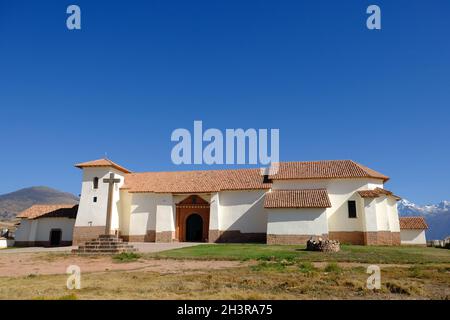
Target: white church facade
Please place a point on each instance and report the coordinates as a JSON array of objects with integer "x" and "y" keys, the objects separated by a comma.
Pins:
[{"x": 337, "y": 199}]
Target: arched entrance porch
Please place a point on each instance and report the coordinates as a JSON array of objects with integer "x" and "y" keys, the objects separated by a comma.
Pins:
[{"x": 192, "y": 219}]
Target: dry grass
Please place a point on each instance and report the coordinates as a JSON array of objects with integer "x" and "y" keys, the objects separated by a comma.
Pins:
[{"x": 266, "y": 280}]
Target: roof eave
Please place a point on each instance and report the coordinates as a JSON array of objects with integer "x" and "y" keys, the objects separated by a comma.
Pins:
[{"x": 115, "y": 166}]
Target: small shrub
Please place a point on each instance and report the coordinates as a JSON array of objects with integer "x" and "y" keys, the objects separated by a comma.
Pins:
[
  {"x": 306, "y": 267},
  {"x": 415, "y": 272},
  {"x": 126, "y": 257},
  {"x": 397, "y": 288},
  {"x": 333, "y": 267}
]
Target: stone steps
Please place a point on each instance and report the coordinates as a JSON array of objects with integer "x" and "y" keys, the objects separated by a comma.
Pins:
[{"x": 104, "y": 244}]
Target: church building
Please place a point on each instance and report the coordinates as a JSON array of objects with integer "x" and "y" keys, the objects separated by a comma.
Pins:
[{"x": 337, "y": 199}]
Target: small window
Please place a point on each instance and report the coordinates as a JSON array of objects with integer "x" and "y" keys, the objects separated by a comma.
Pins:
[
  {"x": 95, "y": 199},
  {"x": 352, "y": 209},
  {"x": 95, "y": 183}
]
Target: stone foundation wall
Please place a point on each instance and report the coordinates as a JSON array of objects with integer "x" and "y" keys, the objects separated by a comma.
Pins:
[
  {"x": 83, "y": 234},
  {"x": 348, "y": 237},
  {"x": 149, "y": 237},
  {"x": 382, "y": 238},
  {"x": 291, "y": 238},
  {"x": 164, "y": 236},
  {"x": 396, "y": 239},
  {"x": 235, "y": 236},
  {"x": 40, "y": 244}
]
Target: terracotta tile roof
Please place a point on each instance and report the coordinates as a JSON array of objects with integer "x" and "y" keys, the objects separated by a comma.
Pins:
[
  {"x": 101, "y": 163},
  {"x": 49, "y": 210},
  {"x": 413, "y": 223},
  {"x": 326, "y": 169},
  {"x": 195, "y": 181},
  {"x": 237, "y": 179},
  {"x": 375, "y": 193},
  {"x": 304, "y": 198}
]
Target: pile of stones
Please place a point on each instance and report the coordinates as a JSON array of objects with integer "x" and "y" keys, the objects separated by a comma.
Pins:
[{"x": 324, "y": 245}]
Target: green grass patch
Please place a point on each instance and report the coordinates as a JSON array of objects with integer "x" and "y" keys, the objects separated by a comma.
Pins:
[
  {"x": 126, "y": 257},
  {"x": 348, "y": 253},
  {"x": 306, "y": 267},
  {"x": 333, "y": 267}
]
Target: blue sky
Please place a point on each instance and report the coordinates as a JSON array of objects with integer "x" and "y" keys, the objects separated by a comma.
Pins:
[{"x": 140, "y": 69}]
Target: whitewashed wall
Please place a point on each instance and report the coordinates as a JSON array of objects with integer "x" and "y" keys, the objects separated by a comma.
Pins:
[
  {"x": 297, "y": 221},
  {"x": 23, "y": 231},
  {"x": 394, "y": 221},
  {"x": 339, "y": 191},
  {"x": 39, "y": 229},
  {"x": 382, "y": 214},
  {"x": 413, "y": 237},
  {"x": 92, "y": 213},
  {"x": 165, "y": 212},
  {"x": 142, "y": 216},
  {"x": 370, "y": 215},
  {"x": 45, "y": 225},
  {"x": 242, "y": 210},
  {"x": 6, "y": 243},
  {"x": 214, "y": 213},
  {"x": 125, "y": 212}
]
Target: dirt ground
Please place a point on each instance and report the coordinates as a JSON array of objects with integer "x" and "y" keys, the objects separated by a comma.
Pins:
[
  {"x": 25, "y": 264},
  {"x": 44, "y": 277}
]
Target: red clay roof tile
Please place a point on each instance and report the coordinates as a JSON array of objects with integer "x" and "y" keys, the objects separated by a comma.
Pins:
[
  {"x": 102, "y": 163},
  {"x": 326, "y": 169},
  {"x": 413, "y": 223},
  {"x": 303, "y": 198},
  {"x": 50, "y": 210}
]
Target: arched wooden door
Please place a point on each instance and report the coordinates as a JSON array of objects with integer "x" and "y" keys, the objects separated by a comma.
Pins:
[
  {"x": 194, "y": 228},
  {"x": 192, "y": 213}
]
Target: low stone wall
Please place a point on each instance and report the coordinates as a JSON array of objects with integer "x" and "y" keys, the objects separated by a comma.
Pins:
[{"x": 323, "y": 245}]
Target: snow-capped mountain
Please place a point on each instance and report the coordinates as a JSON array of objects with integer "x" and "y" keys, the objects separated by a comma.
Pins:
[{"x": 437, "y": 216}]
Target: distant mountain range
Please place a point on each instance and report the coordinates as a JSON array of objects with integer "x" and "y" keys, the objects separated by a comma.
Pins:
[
  {"x": 15, "y": 202},
  {"x": 437, "y": 217}
]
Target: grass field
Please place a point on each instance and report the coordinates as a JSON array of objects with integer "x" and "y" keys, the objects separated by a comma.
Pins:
[
  {"x": 348, "y": 253},
  {"x": 265, "y": 280},
  {"x": 255, "y": 272}
]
